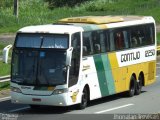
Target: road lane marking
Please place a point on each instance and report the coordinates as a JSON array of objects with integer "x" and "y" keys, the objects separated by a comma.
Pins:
[
  {"x": 5, "y": 98},
  {"x": 158, "y": 67},
  {"x": 157, "y": 76},
  {"x": 19, "y": 109},
  {"x": 115, "y": 108}
]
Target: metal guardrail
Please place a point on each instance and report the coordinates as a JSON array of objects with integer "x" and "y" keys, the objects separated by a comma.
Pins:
[{"x": 5, "y": 78}]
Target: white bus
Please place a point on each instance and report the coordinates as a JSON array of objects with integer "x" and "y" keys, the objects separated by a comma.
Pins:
[{"x": 82, "y": 59}]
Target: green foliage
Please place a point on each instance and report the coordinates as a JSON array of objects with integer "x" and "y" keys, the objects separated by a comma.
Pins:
[
  {"x": 124, "y": 7},
  {"x": 32, "y": 12},
  {"x": 4, "y": 85},
  {"x": 62, "y": 3},
  {"x": 6, "y": 3},
  {"x": 5, "y": 68},
  {"x": 1, "y": 49}
]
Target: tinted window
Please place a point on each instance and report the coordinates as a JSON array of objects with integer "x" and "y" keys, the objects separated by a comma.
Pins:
[
  {"x": 121, "y": 39},
  {"x": 75, "y": 63},
  {"x": 42, "y": 41},
  {"x": 87, "y": 44},
  {"x": 141, "y": 35},
  {"x": 95, "y": 42}
]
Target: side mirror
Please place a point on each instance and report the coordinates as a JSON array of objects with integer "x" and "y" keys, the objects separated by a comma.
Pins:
[
  {"x": 69, "y": 56},
  {"x": 5, "y": 53}
]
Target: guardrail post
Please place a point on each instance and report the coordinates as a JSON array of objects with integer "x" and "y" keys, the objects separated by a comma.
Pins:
[{"x": 5, "y": 53}]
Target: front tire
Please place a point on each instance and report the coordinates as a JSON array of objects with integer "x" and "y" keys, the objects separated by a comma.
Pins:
[{"x": 84, "y": 99}]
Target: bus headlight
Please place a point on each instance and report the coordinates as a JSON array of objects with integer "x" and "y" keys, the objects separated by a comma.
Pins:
[
  {"x": 60, "y": 91},
  {"x": 15, "y": 89}
]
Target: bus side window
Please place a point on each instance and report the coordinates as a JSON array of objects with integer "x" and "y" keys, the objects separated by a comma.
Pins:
[
  {"x": 102, "y": 42},
  {"x": 137, "y": 36},
  {"x": 149, "y": 30},
  {"x": 107, "y": 42},
  {"x": 112, "y": 42},
  {"x": 140, "y": 36},
  {"x": 96, "y": 42},
  {"x": 134, "y": 41},
  {"x": 126, "y": 39},
  {"x": 119, "y": 40},
  {"x": 87, "y": 44},
  {"x": 75, "y": 62}
]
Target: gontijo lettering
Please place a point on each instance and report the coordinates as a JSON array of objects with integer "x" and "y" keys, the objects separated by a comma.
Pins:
[{"x": 130, "y": 56}]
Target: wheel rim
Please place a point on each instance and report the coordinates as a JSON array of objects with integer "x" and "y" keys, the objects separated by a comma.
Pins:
[
  {"x": 132, "y": 89},
  {"x": 139, "y": 85}
]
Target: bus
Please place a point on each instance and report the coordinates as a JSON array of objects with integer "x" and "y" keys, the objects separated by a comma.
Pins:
[{"x": 80, "y": 59}]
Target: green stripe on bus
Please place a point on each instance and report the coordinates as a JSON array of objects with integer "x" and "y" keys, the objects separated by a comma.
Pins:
[
  {"x": 108, "y": 74},
  {"x": 101, "y": 75}
]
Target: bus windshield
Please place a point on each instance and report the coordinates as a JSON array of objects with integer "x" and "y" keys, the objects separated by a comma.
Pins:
[
  {"x": 31, "y": 67},
  {"x": 39, "y": 60}
]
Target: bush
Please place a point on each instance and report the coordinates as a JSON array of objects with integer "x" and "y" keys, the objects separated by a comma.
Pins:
[
  {"x": 62, "y": 3},
  {"x": 6, "y": 3}
]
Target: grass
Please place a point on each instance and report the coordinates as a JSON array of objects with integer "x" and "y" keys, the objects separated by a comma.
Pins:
[
  {"x": 4, "y": 85},
  {"x": 5, "y": 68},
  {"x": 33, "y": 12},
  {"x": 1, "y": 49}
]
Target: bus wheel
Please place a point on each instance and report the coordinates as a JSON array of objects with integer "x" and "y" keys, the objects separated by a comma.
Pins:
[
  {"x": 132, "y": 87},
  {"x": 84, "y": 99},
  {"x": 138, "y": 86}
]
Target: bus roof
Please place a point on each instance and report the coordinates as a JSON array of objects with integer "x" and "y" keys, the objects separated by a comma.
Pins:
[
  {"x": 92, "y": 19},
  {"x": 102, "y": 19},
  {"x": 88, "y": 23},
  {"x": 51, "y": 28}
]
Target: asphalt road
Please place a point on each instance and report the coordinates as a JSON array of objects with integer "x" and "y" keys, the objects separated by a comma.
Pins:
[{"x": 112, "y": 107}]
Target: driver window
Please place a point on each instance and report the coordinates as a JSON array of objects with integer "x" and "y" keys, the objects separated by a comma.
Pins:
[{"x": 75, "y": 62}]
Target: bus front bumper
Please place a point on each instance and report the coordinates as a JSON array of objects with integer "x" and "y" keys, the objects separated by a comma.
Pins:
[{"x": 52, "y": 100}]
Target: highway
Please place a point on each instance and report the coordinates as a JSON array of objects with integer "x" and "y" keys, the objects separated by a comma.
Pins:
[{"x": 148, "y": 102}]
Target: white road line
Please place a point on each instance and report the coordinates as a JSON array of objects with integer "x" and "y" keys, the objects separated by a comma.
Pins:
[
  {"x": 19, "y": 109},
  {"x": 5, "y": 98},
  {"x": 115, "y": 108},
  {"x": 157, "y": 76},
  {"x": 158, "y": 67},
  {"x": 158, "y": 63}
]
